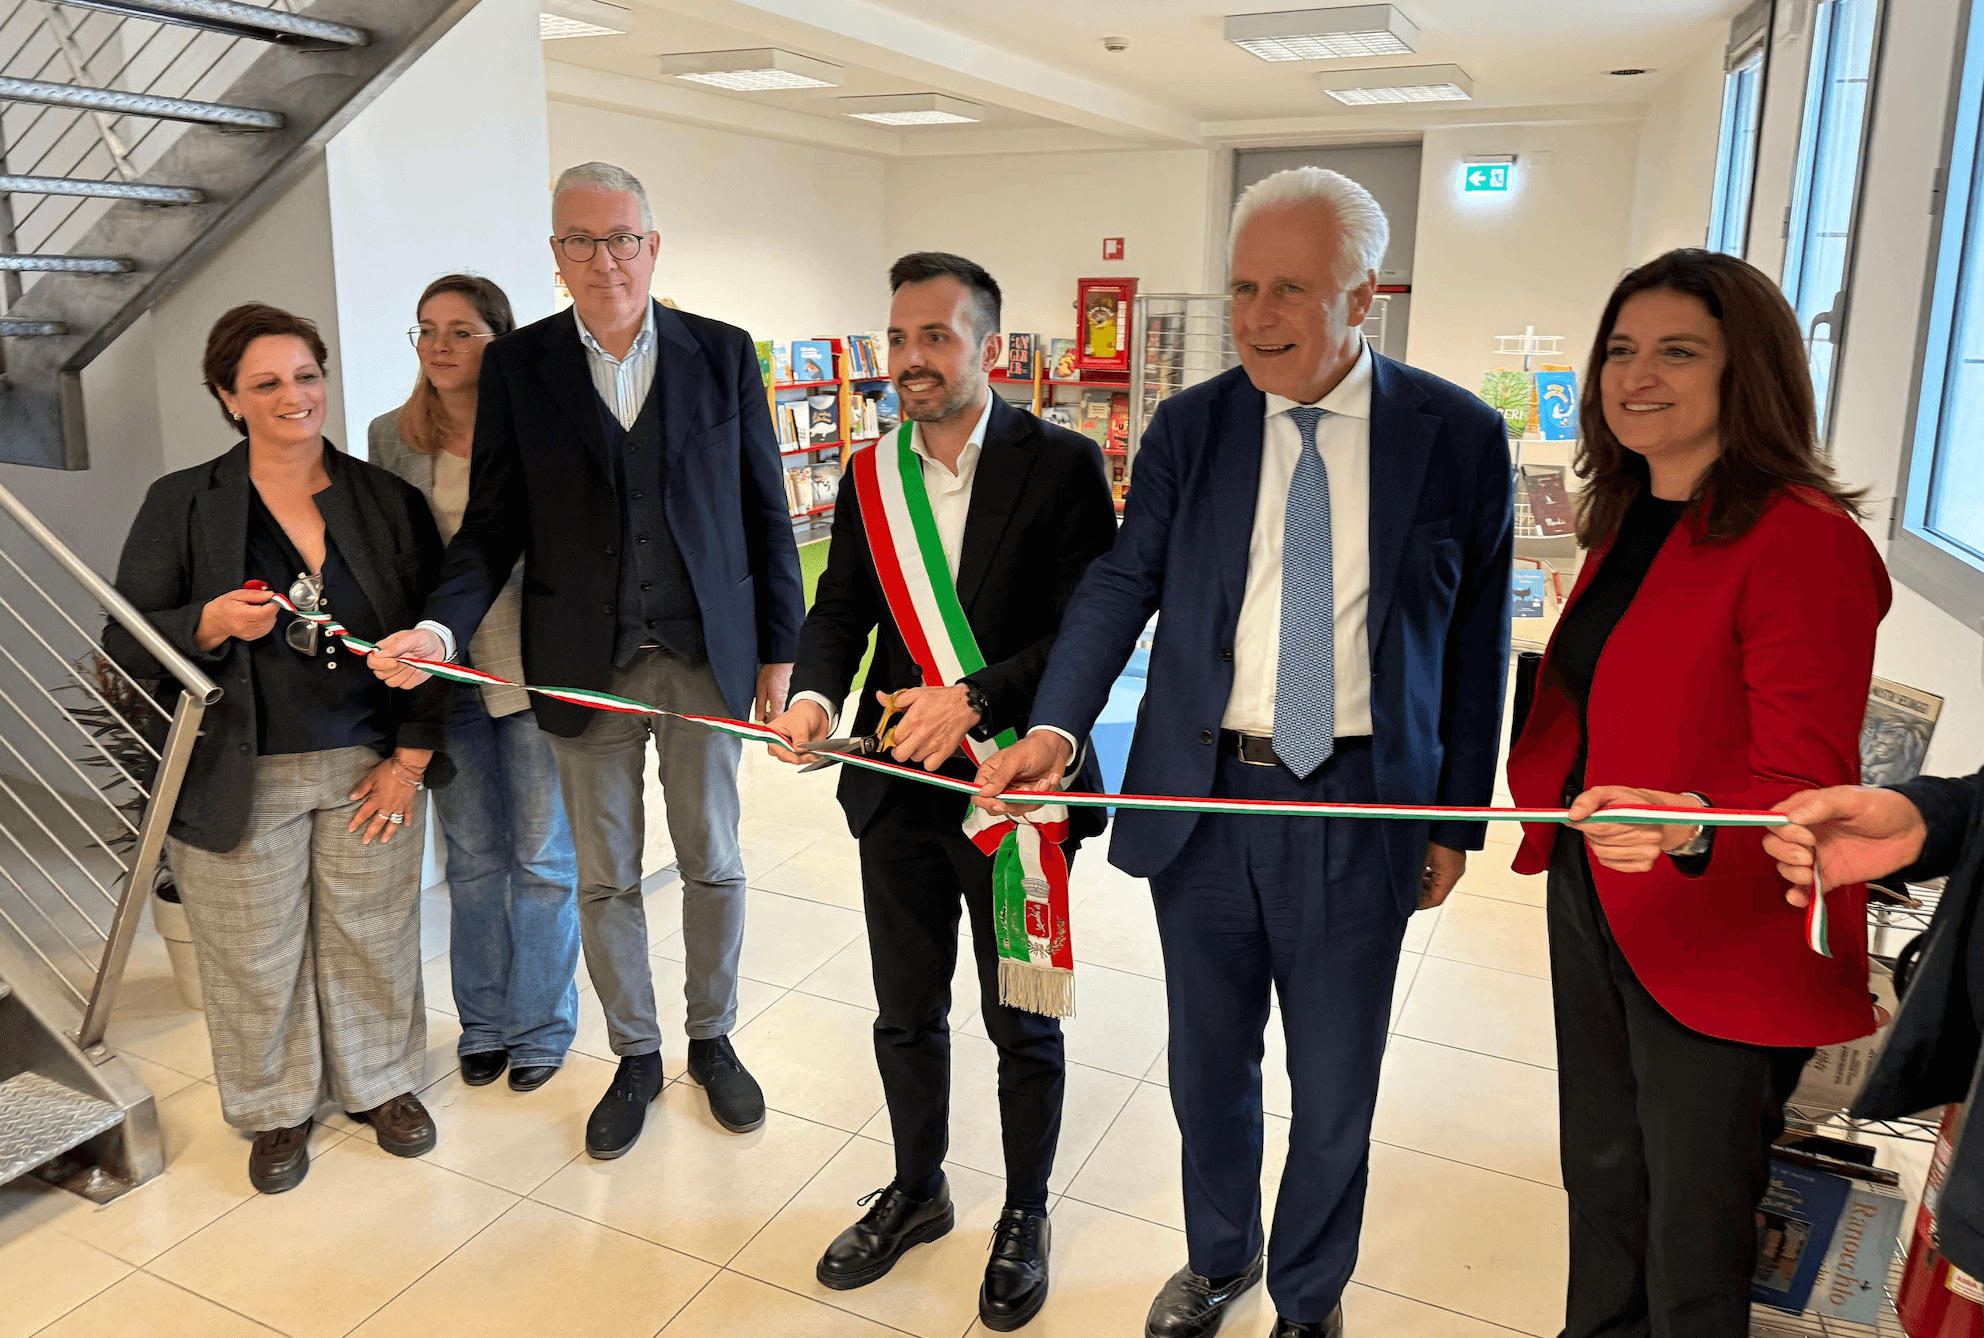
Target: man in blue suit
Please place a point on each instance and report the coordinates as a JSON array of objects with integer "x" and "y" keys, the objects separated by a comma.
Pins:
[
  {"x": 1327, "y": 534},
  {"x": 625, "y": 451}
]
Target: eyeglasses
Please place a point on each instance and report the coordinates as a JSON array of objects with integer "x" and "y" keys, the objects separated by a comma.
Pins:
[
  {"x": 579, "y": 248},
  {"x": 307, "y": 593},
  {"x": 458, "y": 337}
]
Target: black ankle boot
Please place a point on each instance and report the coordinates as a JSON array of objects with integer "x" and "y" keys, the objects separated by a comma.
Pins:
[{"x": 617, "y": 1119}]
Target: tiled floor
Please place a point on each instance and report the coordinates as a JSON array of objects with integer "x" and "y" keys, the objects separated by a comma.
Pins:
[{"x": 507, "y": 1228}]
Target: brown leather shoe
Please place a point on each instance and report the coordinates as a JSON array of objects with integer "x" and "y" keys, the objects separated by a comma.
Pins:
[
  {"x": 405, "y": 1128},
  {"x": 280, "y": 1158}
]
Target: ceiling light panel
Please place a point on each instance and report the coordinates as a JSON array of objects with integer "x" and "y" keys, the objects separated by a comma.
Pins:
[
  {"x": 580, "y": 18},
  {"x": 912, "y": 109},
  {"x": 1324, "y": 34},
  {"x": 1401, "y": 83},
  {"x": 755, "y": 71}
]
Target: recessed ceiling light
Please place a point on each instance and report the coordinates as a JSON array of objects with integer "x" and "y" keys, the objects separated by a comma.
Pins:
[
  {"x": 580, "y": 18},
  {"x": 1401, "y": 83},
  {"x": 912, "y": 109},
  {"x": 1324, "y": 34},
  {"x": 753, "y": 71}
]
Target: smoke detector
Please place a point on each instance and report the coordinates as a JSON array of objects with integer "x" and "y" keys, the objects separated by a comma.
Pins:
[{"x": 1115, "y": 44}]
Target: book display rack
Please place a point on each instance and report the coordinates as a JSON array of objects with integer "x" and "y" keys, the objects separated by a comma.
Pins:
[{"x": 825, "y": 395}]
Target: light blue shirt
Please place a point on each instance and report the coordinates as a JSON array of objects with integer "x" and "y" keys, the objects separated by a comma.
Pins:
[{"x": 622, "y": 383}]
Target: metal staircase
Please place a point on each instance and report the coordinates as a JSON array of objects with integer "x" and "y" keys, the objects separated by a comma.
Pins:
[{"x": 136, "y": 137}]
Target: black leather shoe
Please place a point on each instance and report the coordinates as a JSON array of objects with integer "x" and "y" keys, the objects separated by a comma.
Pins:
[
  {"x": 280, "y": 1158},
  {"x": 484, "y": 1067},
  {"x": 1016, "y": 1276},
  {"x": 531, "y": 1077},
  {"x": 1191, "y": 1307},
  {"x": 1332, "y": 1327},
  {"x": 736, "y": 1101},
  {"x": 869, "y": 1249},
  {"x": 617, "y": 1119}
]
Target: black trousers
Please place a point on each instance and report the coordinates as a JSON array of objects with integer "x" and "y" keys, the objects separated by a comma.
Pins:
[
  {"x": 917, "y": 872},
  {"x": 1665, "y": 1137}
]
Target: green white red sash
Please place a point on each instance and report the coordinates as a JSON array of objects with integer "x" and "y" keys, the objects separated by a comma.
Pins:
[
  {"x": 1029, "y": 872},
  {"x": 1816, "y": 919}
]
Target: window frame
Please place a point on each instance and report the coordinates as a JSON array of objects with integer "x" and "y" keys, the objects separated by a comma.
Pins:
[
  {"x": 1938, "y": 570},
  {"x": 1803, "y": 188},
  {"x": 1721, "y": 214}
]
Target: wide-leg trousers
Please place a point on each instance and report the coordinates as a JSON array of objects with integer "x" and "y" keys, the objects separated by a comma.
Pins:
[
  {"x": 1665, "y": 1137},
  {"x": 309, "y": 946},
  {"x": 1306, "y": 908}
]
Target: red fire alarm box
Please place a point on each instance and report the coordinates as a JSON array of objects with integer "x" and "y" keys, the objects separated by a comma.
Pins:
[
  {"x": 1112, "y": 248},
  {"x": 1102, "y": 325}
]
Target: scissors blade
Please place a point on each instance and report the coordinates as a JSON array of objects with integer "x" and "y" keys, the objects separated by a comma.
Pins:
[{"x": 829, "y": 751}]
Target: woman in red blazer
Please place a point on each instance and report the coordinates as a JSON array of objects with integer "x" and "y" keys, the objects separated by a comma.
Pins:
[{"x": 1715, "y": 651}]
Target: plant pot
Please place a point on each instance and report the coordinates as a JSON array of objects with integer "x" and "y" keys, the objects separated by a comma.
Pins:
[{"x": 169, "y": 918}]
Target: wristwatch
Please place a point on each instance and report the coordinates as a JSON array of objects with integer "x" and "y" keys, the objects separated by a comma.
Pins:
[
  {"x": 1700, "y": 842},
  {"x": 975, "y": 698}
]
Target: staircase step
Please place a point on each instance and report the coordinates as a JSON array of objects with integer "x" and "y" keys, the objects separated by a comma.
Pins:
[
  {"x": 32, "y": 264},
  {"x": 235, "y": 19},
  {"x": 13, "y": 329},
  {"x": 101, "y": 190},
  {"x": 41, "y": 1119},
  {"x": 119, "y": 103}
]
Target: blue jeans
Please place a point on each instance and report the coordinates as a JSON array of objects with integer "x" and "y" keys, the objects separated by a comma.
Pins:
[{"x": 512, "y": 879}]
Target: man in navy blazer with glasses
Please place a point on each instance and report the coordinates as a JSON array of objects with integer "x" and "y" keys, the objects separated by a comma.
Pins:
[{"x": 1327, "y": 534}]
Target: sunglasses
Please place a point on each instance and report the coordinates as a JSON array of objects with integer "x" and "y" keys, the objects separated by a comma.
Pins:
[{"x": 307, "y": 593}]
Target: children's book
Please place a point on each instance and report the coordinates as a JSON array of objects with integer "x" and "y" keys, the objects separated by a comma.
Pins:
[
  {"x": 1795, "y": 1225},
  {"x": 812, "y": 360},
  {"x": 1019, "y": 356},
  {"x": 764, "y": 347},
  {"x": 1062, "y": 367},
  {"x": 1557, "y": 405},
  {"x": 781, "y": 364},
  {"x": 823, "y": 417}
]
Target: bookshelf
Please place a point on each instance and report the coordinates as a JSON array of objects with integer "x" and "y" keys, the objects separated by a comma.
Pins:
[{"x": 858, "y": 371}]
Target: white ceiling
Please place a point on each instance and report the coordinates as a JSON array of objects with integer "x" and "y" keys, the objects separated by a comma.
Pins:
[{"x": 1040, "y": 69}]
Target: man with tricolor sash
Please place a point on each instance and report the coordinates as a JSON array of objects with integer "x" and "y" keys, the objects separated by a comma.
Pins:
[
  {"x": 1325, "y": 535},
  {"x": 957, "y": 540}
]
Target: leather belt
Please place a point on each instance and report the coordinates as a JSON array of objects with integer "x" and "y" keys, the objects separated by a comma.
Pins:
[{"x": 1257, "y": 750}]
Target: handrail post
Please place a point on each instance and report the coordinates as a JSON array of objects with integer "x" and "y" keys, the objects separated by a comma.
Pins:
[{"x": 178, "y": 750}]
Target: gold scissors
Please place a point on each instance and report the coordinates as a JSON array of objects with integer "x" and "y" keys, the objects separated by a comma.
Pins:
[{"x": 867, "y": 745}]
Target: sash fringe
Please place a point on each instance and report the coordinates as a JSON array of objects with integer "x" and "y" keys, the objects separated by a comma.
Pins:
[{"x": 1037, "y": 988}]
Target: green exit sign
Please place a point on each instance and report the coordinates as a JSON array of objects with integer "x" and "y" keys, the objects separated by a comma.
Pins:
[{"x": 1488, "y": 176}]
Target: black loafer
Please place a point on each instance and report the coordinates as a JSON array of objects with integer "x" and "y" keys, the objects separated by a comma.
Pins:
[
  {"x": 280, "y": 1158},
  {"x": 736, "y": 1100},
  {"x": 617, "y": 1119},
  {"x": 1016, "y": 1276},
  {"x": 484, "y": 1067},
  {"x": 1192, "y": 1307},
  {"x": 530, "y": 1077},
  {"x": 869, "y": 1249},
  {"x": 1329, "y": 1327}
]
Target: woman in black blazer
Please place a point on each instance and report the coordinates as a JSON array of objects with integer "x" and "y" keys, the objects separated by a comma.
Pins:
[{"x": 296, "y": 842}]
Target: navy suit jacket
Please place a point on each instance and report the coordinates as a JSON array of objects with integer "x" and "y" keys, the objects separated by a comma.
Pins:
[
  {"x": 541, "y": 486},
  {"x": 1442, "y": 532}
]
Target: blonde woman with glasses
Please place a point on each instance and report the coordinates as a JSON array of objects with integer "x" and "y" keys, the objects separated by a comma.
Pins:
[{"x": 514, "y": 946}]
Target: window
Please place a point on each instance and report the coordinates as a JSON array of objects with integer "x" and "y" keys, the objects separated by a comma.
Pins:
[
  {"x": 1939, "y": 549},
  {"x": 1736, "y": 156},
  {"x": 1826, "y": 188}
]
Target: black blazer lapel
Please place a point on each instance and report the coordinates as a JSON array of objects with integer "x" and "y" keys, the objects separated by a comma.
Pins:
[
  {"x": 1236, "y": 475},
  {"x": 996, "y": 488},
  {"x": 679, "y": 369},
  {"x": 1401, "y": 445},
  {"x": 567, "y": 376},
  {"x": 220, "y": 518},
  {"x": 363, "y": 536}
]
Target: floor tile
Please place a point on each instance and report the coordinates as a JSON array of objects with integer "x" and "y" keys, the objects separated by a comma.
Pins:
[
  {"x": 156, "y": 1025},
  {"x": 1136, "y": 1169},
  {"x": 162, "y": 1081},
  {"x": 375, "y": 1223},
  {"x": 436, "y": 920},
  {"x": 1419, "y": 929},
  {"x": 1482, "y": 1244},
  {"x": 44, "y": 1274},
  {"x": 786, "y": 939},
  {"x": 1489, "y": 875},
  {"x": 768, "y": 843},
  {"x": 1481, "y": 1009},
  {"x": 1114, "y": 925},
  {"x": 1493, "y": 1113},
  {"x": 144, "y": 1305},
  {"x": 206, "y": 1175},
  {"x": 517, "y": 1278},
  {"x": 1486, "y": 932},
  {"x": 849, "y": 976},
  {"x": 829, "y": 870},
  {"x": 733, "y": 1305},
  {"x": 437, "y": 980},
  {"x": 1119, "y": 1022},
  {"x": 932, "y": 1292},
  {"x": 691, "y": 1186},
  {"x": 1370, "y": 1313},
  {"x": 1408, "y": 971},
  {"x": 515, "y": 1140},
  {"x": 815, "y": 1058},
  {"x": 753, "y": 997}
]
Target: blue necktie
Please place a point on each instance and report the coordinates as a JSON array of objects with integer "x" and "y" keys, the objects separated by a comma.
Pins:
[{"x": 1305, "y": 675}]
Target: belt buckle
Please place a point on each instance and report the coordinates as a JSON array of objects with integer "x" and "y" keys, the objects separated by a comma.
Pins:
[{"x": 1240, "y": 751}]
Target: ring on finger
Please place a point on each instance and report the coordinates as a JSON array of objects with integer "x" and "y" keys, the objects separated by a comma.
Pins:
[{"x": 396, "y": 818}]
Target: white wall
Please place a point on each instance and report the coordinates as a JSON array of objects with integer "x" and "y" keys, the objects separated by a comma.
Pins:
[
  {"x": 446, "y": 172},
  {"x": 1547, "y": 253},
  {"x": 781, "y": 239},
  {"x": 1676, "y": 169},
  {"x": 1037, "y": 221}
]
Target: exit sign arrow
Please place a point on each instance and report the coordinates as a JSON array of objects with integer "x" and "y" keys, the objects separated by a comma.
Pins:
[{"x": 1488, "y": 177}]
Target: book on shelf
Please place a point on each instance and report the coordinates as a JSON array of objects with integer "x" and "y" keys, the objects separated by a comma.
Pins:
[
  {"x": 826, "y": 484},
  {"x": 798, "y": 484},
  {"x": 1851, "y": 1282},
  {"x": 1020, "y": 349},
  {"x": 1832, "y": 1077},
  {"x": 812, "y": 360},
  {"x": 781, "y": 363},
  {"x": 1895, "y": 733},
  {"x": 1549, "y": 499},
  {"x": 1092, "y": 420},
  {"x": 823, "y": 418},
  {"x": 1119, "y": 422},
  {"x": 764, "y": 347},
  {"x": 1795, "y": 1225},
  {"x": 1557, "y": 405},
  {"x": 1061, "y": 361},
  {"x": 1527, "y": 589},
  {"x": 867, "y": 356},
  {"x": 1061, "y": 415}
]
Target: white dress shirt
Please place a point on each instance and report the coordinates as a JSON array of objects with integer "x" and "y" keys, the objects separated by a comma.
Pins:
[
  {"x": 623, "y": 385},
  {"x": 950, "y": 506},
  {"x": 1343, "y": 438}
]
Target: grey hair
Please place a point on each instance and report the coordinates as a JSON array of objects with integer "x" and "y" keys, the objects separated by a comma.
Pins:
[
  {"x": 606, "y": 177},
  {"x": 1366, "y": 232}
]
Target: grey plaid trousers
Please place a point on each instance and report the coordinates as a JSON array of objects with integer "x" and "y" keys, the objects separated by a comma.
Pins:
[{"x": 309, "y": 946}]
